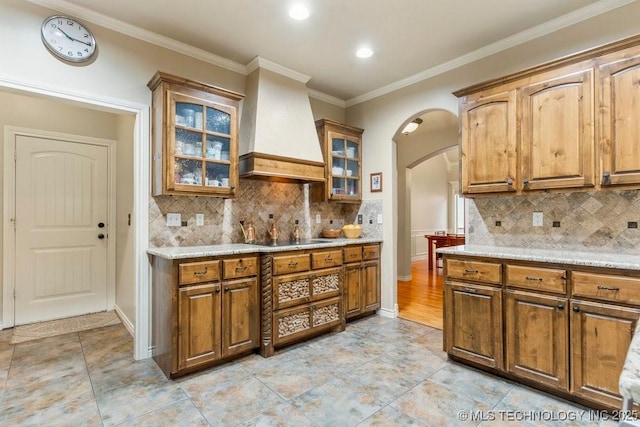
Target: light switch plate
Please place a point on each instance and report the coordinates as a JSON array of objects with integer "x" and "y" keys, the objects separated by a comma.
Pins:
[
  {"x": 173, "y": 220},
  {"x": 318, "y": 219},
  {"x": 379, "y": 218},
  {"x": 537, "y": 219},
  {"x": 199, "y": 220}
]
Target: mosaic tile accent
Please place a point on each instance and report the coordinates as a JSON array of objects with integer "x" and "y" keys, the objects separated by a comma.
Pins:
[
  {"x": 254, "y": 202},
  {"x": 588, "y": 220}
]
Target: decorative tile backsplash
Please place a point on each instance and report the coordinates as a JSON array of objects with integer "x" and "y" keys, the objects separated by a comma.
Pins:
[
  {"x": 254, "y": 202},
  {"x": 587, "y": 220}
]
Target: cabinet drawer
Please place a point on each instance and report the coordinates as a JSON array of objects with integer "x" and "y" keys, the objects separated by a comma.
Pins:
[
  {"x": 298, "y": 322},
  {"x": 326, "y": 259},
  {"x": 537, "y": 278},
  {"x": 295, "y": 289},
  {"x": 370, "y": 252},
  {"x": 291, "y": 264},
  {"x": 487, "y": 272},
  {"x": 240, "y": 267},
  {"x": 606, "y": 287},
  {"x": 352, "y": 254},
  {"x": 199, "y": 272}
]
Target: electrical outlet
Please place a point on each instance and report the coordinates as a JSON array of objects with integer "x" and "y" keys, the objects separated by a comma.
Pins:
[
  {"x": 199, "y": 220},
  {"x": 318, "y": 219},
  {"x": 556, "y": 224},
  {"x": 498, "y": 223},
  {"x": 174, "y": 220},
  {"x": 359, "y": 219},
  {"x": 537, "y": 219},
  {"x": 379, "y": 218}
]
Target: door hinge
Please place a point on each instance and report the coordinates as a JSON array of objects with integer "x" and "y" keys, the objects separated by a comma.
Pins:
[
  {"x": 13, "y": 220},
  {"x": 15, "y": 156},
  {"x": 14, "y": 293}
]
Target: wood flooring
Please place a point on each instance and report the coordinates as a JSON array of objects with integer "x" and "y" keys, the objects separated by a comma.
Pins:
[{"x": 420, "y": 300}]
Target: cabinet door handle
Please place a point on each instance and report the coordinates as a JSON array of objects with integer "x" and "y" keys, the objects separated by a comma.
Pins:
[
  {"x": 560, "y": 306},
  {"x": 533, "y": 279},
  {"x": 313, "y": 276},
  {"x": 509, "y": 182},
  {"x": 607, "y": 288},
  {"x": 200, "y": 273},
  {"x": 576, "y": 309},
  {"x": 218, "y": 290},
  {"x": 226, "y": 289},
  {"x": 525, "y": 182},
  {"x": 471, "y": 290},
  {"x": 469, "y": 271}
]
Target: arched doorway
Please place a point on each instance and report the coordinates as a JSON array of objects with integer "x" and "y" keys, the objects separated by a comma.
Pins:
[{"x": 427, "y": 154}]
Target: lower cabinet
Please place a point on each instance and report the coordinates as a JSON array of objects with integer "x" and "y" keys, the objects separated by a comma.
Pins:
[
  {"x": 205, "y": 310},
  {"x": 536, "y": 335},
  {"x": 473, "y": 323},
  {"x": 565, "y": 328},
  {"x": 600, "y": 338},
  {"x": 361, "y": 279}
]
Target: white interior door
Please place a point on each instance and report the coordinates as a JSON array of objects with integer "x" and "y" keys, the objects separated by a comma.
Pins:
[{"x": 61, "y": 201}]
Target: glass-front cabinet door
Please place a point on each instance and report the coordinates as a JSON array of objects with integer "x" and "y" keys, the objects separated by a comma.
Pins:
[
  {"x": 342, "y": 149},
  {"x": 200, "y": 144}
]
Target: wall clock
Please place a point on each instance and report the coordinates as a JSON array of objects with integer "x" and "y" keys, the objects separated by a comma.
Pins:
[{"x": 68, "y": 39}]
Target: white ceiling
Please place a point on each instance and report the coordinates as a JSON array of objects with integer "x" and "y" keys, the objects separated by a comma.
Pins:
[{"x": 411, "y": 38}]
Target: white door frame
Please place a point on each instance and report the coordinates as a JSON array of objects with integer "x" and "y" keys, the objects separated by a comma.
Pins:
[
  {"x": 9, "y": 199},
  {"x": 141, "y": 183}
]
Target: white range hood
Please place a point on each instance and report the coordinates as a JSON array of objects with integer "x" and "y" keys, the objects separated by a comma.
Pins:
[{"x": 278, "y": 138}]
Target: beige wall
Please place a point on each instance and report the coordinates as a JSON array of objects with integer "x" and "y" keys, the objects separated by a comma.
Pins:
[
  {"x": 323, "y": 110},
  {"x": 383, "y": 117}
]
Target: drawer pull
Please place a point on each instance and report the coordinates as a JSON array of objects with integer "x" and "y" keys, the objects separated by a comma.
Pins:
[
  {"x": 533, "y": 279},
  {"x": 369, "y": 254},
  {"x": 607, "y": 288},
  {"x": 292, "y": 264},
  {"x": 471, "y": 290},
  {"x": 328, "y": 259},
  {"x": 241, "y": 268},
  {"x": 200, "y": 273},
  {"x": 353, "y": 255},
  {"x": 470, "y": 271}
]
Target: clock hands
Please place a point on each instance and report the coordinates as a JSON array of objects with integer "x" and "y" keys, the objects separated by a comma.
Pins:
[{"x": 71, "y": 38}]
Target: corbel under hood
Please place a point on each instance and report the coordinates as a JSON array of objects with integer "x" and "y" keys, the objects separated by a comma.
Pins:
[{"x": 278, "y": 138}]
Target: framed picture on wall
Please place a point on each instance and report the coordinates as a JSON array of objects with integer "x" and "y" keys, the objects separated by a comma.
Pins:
[{"x": 376, "y": 182}]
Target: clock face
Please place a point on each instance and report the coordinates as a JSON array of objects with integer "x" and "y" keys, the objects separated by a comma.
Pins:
[{"x": 68, "y": 39}]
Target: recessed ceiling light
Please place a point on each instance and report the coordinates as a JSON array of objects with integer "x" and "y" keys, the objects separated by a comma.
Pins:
[
  {"x": 299, "y": 11},
  {"x": 364, "y": 52}
]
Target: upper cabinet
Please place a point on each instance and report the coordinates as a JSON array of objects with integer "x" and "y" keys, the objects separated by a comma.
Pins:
[
  {"x": 557, "y": 136},
  {"x": 569, "y": 124},
  {"x": 194, "y": 138},
  {"x": 342, "y": 151},
  {"x": 619, "y": 127}
]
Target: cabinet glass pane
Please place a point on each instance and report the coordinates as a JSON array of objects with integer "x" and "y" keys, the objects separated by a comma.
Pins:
[
  {"x": 339, "y": 186},
  {"x": 218, "y": 121},
  {"x": 217, "y": 147},
  {"x": 338, "y": 167},
  {"x": 189, "y": 115},
  {"x": 188, "y": 143},
  {"x": 337, "y": 146},
  {"x": 352, "y": 187},
  {"x": 352, "y": 150},
  {"x": 188, "y": 172},
  {"x": 352, "y": 168},
  {"x": 217, "y": 175}
]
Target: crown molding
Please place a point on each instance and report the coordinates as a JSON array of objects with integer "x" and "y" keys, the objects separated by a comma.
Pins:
[
  {"x": 329, "y": 99},
  {"x": 140, "y": 34},
  {"x": 260, "y": 62},
  {"x": 532, "y": 33}
]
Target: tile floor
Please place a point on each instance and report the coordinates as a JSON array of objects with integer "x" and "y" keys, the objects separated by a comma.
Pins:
[{"x": 379, "y": 372}]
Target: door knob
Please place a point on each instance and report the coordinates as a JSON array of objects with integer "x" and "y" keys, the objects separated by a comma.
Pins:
[
  {"x": 101, "y": 225},
  {"x": 100, "y": 236}
]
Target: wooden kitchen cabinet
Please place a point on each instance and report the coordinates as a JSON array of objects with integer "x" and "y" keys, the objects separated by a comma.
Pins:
[
  {"x": 536, "y": 337},
  {"x": 342, "y": 150},
  {"x": 619, "y": 98},
  {"x": 557, "y": 117},
  {"x": 194, "y": 138},
  {"x": 473, "y": 311},
  {"x": 205, "y": 311},
  {"x": 301, "y": 296},
  {"x": 361, "y": 279},
  {"x": 488, "y": 141}
]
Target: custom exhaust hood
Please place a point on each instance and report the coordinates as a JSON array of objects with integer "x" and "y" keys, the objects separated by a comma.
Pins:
[{"x": 278, "y": 138}]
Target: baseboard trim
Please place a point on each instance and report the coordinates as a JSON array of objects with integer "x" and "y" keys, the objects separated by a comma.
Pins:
[
  {"x": 419, "y": 257},
  {"x": 125, "y": 320},
  {"x": 392, "y": 314},
  {"x": 405, "y": 278}
]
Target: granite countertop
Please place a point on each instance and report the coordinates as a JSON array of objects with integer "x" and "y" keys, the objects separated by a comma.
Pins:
[
  {"x": 242, "y": 248},
  {"x": 562, "y": 256}
]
